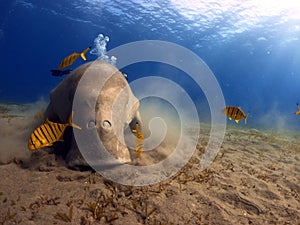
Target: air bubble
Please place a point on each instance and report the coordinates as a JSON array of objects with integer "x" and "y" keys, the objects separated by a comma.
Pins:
[{"x": 100, "y": 51}]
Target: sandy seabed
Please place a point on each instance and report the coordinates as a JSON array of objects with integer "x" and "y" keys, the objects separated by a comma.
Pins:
[{"x": 255, "y": 179}]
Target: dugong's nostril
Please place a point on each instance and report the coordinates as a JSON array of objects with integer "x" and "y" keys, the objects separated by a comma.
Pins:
[
  {"x": 91, "y": 124},
  {"x": 106, "y": 124}
]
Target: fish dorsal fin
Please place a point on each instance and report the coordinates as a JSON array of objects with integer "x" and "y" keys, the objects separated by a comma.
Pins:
[{"x": 48, "y": 121}]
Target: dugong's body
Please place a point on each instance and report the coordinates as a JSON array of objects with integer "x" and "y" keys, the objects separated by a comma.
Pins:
[{"x": 115, "y": 106}]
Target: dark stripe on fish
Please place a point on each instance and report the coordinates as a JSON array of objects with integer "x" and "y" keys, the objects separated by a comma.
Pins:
[
  {"x": 230, "y": 110},
  {"x": 59, "y": 130},
  {"x": 44, "y": 130},
  {"x": 32, "y": 143},
  {"x": 39, "y": 134},
  {"x": 37, "y": 138},
  {"x": 139, "y": 142},
  {"x": 235, "y": 112},
  {"x": 50, "y": 132},
  {"x": 139, "y": 145},
  {"x": 56, "y": 132},
  {"x": 240, "y": 114}
]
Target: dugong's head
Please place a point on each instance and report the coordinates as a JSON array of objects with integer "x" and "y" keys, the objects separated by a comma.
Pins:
[{"x": 104, "y": 97}]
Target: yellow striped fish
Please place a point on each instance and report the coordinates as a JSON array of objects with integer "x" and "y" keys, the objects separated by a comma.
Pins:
[
  {"x": 139, "y": 142},
  {"x": 48, "y": 133},
  {"x": 236, "y": 113},
  {"x": 69, "y": 60},
  {"x": 298, "y": 112}
]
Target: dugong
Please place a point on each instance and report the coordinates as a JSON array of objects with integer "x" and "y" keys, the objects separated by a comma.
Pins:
[{"x": 116, "y": 107}]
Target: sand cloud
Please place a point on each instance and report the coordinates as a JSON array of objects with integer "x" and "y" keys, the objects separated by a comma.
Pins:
[{"x": 17, "y": 123}]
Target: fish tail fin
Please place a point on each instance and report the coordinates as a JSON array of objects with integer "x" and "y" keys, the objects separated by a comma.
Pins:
[
  {"x": 82, "y": 54},
  {"x": 246, "y": 118},
  {"x": 70, "y": 122}
]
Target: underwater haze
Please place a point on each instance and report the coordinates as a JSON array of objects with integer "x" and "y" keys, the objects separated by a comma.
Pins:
[{"x": 251, "y": 46}]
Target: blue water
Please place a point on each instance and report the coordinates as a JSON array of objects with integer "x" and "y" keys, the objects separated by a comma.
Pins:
[{"x": 252, "y": 47}]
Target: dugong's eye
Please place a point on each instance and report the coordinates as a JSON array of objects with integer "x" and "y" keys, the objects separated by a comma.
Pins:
[{"x": 106, "y": 124}]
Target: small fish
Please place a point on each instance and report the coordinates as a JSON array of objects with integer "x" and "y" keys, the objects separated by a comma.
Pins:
[
  {"x": 236, "y": 113},
  {"x": 59, "y": 73},
  {"x": 139, "y": 142},
  {"x": 69, "y": 60},
  {"x": 48, "y": 133},
  {"x": 298, "y": 112}
]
